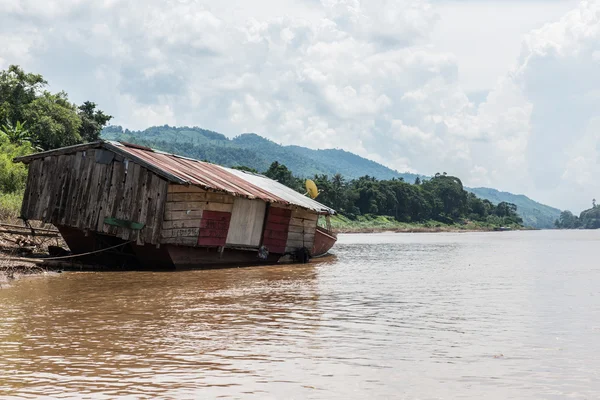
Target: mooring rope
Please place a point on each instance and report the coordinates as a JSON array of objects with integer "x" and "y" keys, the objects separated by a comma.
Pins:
[
  {"x": 28, "y": 226},
  {"x": 84, "y": 254}
]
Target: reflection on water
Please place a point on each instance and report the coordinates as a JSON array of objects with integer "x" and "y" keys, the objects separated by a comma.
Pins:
[{"x": 391, "y": 316}]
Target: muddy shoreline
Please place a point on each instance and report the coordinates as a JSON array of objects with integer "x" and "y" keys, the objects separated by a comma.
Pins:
[{"x": 22, "y": 249}]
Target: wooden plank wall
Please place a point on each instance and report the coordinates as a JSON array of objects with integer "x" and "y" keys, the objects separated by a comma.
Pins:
[
  {"x": 247, "y": 222},
  {"x": 76, "y": 191},
  {"x": 183, "y": 212},
  {"x": 276, "y": 230},
  {"x": 301, "y": 232}
]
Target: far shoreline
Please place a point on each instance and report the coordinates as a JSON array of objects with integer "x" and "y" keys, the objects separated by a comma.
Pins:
[{"x": 424, "y": 230}]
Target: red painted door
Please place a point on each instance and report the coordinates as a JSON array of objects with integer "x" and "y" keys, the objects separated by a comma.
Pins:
[
  {"x": 276, "y": 229},
  {"x": 214, "y": 227}
]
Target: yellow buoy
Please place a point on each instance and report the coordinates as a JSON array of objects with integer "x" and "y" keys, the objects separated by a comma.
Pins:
[{"x": 311, "y": 189}]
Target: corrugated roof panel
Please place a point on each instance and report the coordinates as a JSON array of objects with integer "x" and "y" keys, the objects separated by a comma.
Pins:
[
  {"x": 281, "y": 191},
  {"x": 211, "y": 176}
]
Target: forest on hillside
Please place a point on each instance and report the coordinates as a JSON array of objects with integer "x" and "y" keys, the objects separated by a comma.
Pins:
[
  {"x": 441, "y": 198},
  {"x": 252, "y": 150},
  {"x": 588, "y": 219}
]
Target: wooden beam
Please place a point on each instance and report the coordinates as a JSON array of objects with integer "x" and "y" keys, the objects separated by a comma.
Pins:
[
  {"x": 180, "y": 232},
  {"x": 27, "y": 232},
  {"x": 144, "y": 163},
  {"x": 57, "y": 152},
  {"x": 185, "y": 206},
  {"x": 182, "y": 215},
  {"x": 181, "y": 197},
  {"x": 176, "y": 188},
  {"x": 182, "y": 223},
  {"x": 24, "y": 227}
]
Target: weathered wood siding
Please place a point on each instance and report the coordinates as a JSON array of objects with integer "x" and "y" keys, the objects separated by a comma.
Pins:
[
  {"x": 183, "y": 220},
  {"x": 247, "y": 221},
  {"x": 301, "y": 232},
  {"x": 80, "y": 190},
  {"x": 214, "y": 228},
  {"x": 184, "y": 210},
  {"x": 301, "y": 227},
  {"x": 276, "y": 229}
]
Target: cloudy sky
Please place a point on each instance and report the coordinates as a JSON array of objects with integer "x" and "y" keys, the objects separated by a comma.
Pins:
[{"x": 502, "y": 93}]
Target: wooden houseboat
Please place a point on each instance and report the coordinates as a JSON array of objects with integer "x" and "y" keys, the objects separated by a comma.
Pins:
[{"x": 169, "y": 211}]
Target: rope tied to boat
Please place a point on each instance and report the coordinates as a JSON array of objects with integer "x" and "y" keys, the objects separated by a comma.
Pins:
[{"x": 85, "y": 254}]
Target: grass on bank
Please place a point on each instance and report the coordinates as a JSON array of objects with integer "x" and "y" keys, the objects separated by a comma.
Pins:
[
  {"x": 375, "y": 223},
  {"x": 10, "y": 205}
]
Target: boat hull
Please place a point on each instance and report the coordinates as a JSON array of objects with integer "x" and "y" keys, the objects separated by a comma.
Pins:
[
  {"x": 324, "y": 241},
  {"x": 168, "y": 256}
]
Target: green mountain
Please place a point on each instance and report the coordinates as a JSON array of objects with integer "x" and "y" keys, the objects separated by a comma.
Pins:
[
  {"x": 534, "y": 214},
  {"x": 256, "y": 152}
]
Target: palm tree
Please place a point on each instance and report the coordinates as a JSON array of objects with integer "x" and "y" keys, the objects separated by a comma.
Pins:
[{"x": 17, "y": 134}]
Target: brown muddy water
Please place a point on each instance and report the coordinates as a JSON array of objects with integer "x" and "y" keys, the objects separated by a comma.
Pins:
[{"x": 402, "y": 316}]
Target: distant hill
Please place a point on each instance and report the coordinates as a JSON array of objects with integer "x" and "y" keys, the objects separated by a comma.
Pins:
[
  {"x": 534, "y": 214},
  {"x": 256, "y": 152}
]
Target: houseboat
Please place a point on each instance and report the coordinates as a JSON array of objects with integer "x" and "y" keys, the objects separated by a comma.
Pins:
[{"x": 160, "y": 210}]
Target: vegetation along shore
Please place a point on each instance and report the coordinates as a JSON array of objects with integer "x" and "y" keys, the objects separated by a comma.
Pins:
[{"x": 377, "y": 224}]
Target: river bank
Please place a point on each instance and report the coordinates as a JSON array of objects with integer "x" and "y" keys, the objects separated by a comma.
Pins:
[
  {"x": 22, "y": 249},
  {"x": 376, "y": 224}
]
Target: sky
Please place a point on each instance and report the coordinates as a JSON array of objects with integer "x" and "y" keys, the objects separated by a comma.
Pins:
[{"x": 501, "y": 93}]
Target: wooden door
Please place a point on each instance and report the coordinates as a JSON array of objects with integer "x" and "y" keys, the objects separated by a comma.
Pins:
[{"x": 247, "y": 219}]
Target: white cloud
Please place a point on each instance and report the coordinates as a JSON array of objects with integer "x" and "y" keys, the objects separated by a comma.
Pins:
[{"x": 368, "y": 77}]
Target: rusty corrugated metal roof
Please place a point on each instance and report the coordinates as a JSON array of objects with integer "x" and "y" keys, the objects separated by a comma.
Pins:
[{"x": 182, "y": 170}]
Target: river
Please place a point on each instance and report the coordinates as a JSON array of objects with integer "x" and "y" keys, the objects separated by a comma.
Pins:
[{"x": 398, "y": 316}]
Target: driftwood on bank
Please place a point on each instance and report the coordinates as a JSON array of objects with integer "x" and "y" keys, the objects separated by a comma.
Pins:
[
  {"x": 28, "y": 229},
  {"x": 22, "y": 259},
  {"x": 27, "y": 232}
]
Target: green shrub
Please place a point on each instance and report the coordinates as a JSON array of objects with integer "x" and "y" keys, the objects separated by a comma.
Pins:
[
  {"x": 10, "y": 205},
  {"x": 12, "y": 176}
]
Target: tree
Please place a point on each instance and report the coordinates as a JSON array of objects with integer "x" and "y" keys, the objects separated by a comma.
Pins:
[
  {"x": 17, "y": 90},
  {"x": 17, "y": 134},
  {"x": 92, "y": 121},
  {"x": 590, "y": 219},
  {"x": 478, "y": 209},
  {"x": 283, "y": 175},
  {"x": 505, "y": 209},
  {"x": 449, "y": 197},
  {"x": 417, "y": 181},
  {"x": 52, "y": 120},
  {"x": 12, "y": 175},
  {"x": 244, "y": 168},
  {"x": 508, "y": 213},
  {"x": 567, "y": 220}
]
